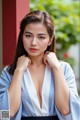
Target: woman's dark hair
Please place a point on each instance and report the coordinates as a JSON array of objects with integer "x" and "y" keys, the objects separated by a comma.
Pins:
[{"x": 36, "y": 16}]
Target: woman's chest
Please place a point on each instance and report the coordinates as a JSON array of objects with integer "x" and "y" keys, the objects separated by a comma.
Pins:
[
  {"x": 37, "y": 76},
  {"x": 39, "y": 92}
]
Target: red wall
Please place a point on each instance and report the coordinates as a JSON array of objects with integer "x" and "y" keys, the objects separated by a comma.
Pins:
[{"x": 12, "y": 13}]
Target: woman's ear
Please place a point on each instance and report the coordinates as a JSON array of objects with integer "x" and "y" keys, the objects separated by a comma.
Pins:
[{"x": 50, "y": 41}]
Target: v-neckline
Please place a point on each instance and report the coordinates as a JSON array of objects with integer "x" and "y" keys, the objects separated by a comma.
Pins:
[
  {"x": 45, "y": 91},
  {"x": 41, "y": 106}
]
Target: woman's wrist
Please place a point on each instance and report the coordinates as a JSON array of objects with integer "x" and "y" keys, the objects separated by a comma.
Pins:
[
  {"x": 19, "y": 70},
  {"x": 57, "y": 67}
]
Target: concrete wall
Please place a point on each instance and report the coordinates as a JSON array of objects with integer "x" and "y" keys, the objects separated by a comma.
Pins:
[{"x": 0, "y": 35}]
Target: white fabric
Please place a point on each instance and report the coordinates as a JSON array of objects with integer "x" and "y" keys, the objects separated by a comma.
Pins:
[{"x": 29, "y": 85}]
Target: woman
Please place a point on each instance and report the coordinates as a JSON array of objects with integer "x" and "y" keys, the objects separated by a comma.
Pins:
[{"x": 37, "y": 86}]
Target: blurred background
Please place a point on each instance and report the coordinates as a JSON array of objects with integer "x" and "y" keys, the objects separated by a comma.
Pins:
[{"x": 66, "y": 16}]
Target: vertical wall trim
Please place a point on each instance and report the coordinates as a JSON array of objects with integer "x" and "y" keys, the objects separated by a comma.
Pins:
[{"x": 0, "y": 35}]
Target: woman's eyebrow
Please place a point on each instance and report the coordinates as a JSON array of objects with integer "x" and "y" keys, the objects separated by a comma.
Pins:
[
  {"x": 42, "y": 34},
  {"x": 38, "y": 33},
  {"x": 28, "y": 32}
]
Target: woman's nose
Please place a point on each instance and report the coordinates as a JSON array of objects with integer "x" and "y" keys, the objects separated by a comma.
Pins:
[{"x": 34, "y": 41}]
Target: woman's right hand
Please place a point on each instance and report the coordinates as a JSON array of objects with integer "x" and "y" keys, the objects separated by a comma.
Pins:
[
  {"x": 15, "y": 97},
  {"x": 22, "y": 63}
]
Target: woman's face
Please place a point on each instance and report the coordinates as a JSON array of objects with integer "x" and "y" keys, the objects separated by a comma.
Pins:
[{"x": 35, "y": 39}]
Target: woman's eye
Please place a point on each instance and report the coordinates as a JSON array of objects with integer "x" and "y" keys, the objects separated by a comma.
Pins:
[
  {"x": 41, "y": 38},
  {"x": 28, "y": 36}
]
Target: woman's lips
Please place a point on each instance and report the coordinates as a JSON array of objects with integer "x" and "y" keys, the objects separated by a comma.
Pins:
[{"x": 33, "y": 49}]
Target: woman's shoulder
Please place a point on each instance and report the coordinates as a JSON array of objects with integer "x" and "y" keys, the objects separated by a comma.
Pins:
[
  {"x": 66, "y": 66},
  {"x": 5, "y": 69},
  {"x": 5, "y": 72},
  {"x": 67, "y": 69},
  {"x": 5, "y": 78}
]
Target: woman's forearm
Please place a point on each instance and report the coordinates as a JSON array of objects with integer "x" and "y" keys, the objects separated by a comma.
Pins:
[
  {"x": 15, "y": 87},
  {"x": 61, "y": 91},
  {"x": 15, "y": 92}
]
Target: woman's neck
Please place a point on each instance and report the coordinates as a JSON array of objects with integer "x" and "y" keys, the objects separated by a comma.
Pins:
[{"x": 37, "y": 60}]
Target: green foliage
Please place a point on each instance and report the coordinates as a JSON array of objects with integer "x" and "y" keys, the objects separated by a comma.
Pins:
[{"x": 66, "y": 16}]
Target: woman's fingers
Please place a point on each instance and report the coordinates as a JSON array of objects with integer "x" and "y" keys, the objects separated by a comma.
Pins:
[
  {"x": 45, "y": 57},
  {"x": 23, "y": 62}
]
